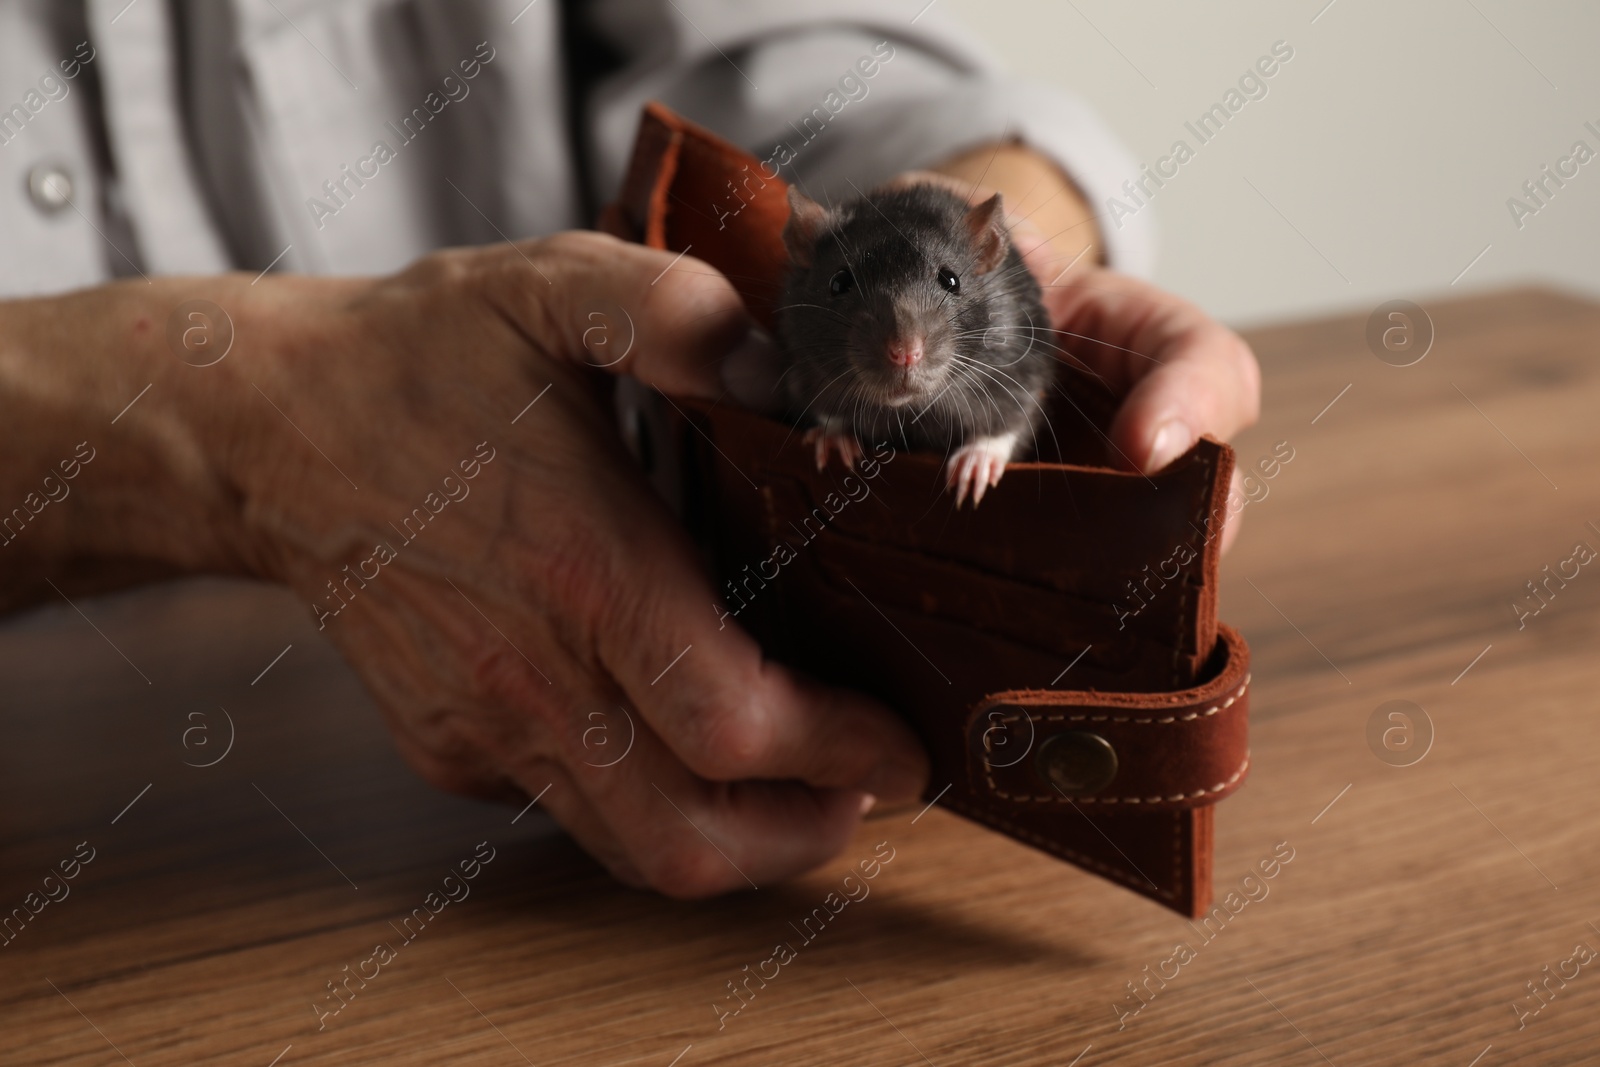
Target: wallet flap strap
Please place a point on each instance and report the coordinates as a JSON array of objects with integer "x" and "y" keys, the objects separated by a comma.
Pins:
[{"x": 1179, "y": 749}]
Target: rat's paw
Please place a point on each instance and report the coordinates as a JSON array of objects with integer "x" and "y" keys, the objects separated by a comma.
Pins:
[
  {"x": 977, "y": 465},
  {"x": 828, "y": 437}
]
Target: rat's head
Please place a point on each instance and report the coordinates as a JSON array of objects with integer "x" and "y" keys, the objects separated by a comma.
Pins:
[{"x": 893, "y": 291}]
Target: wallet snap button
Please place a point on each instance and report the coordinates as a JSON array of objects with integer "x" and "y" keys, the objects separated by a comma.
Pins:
[{"x": 1077, "y": 762}]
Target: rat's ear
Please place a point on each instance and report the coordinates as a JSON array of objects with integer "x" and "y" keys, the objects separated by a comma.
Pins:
[
  {"x": 807, "y": 220},
  {"x": 986, "y": 227}
]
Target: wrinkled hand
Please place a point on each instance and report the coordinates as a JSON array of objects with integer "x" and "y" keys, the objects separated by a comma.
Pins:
[{"x": 534, "y": 605}]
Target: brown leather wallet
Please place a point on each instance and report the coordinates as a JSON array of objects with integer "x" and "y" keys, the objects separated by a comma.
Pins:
[{"x": 968, "y": 621}]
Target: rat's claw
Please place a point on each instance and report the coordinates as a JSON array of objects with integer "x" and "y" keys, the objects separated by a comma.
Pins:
[
  {"x": 849, "y": 448},
  {"x": 823, "y": 438},
  {"x": 978, "y": 465},
  {"x": 961, "y": 476},
  {"x": 989, "y": 473},
  {"x": 967, "y": 472},
  {"x": 819, "y": 441}
]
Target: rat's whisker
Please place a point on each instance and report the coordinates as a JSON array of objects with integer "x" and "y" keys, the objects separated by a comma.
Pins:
[
  {"x": 1098, "y": 341},
  {"x": 987, "y": 395},
  {"x": 800, "y": 418},
  {"x": 836, "y": 313},
  {"x": 983, "y": 336},
  {"x": 972, "y": 415},
  {"x": 1075, "y": 362},
  {"x": 1017, "y": 397},
  {"x": 997, "y": 375}
]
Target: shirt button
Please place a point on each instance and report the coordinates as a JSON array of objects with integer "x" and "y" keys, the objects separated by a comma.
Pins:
[{"x": 50, "y": 187}]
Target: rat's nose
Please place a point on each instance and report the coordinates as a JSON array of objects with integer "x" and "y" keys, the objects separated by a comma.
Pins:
[{"x": 905, "y": 352}]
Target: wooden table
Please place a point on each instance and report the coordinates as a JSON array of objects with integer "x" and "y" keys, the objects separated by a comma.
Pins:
[{"x": 1382, "y": 565}]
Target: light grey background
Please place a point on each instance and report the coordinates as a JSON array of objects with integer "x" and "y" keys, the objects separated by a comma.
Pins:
[{"x": 1391, "y": 141}]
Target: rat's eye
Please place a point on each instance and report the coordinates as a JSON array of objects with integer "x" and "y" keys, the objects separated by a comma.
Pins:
[
  {"x": 842, "y": 282},
  {"x": 948, "y": 280}
]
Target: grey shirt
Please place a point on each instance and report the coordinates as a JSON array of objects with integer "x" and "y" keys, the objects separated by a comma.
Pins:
[{"x": 143, "y": 137}]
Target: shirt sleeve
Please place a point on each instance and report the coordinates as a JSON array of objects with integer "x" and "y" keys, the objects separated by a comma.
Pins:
[{"x": 840, "y": 95}]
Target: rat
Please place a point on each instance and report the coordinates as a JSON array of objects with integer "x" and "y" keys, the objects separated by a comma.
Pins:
[{"x": 908, "y": 316}]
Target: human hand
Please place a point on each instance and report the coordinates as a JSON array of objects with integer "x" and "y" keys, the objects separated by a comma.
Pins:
[
  {"x": 1179, "y": 372},
  {"x": 504, "y": 580}
]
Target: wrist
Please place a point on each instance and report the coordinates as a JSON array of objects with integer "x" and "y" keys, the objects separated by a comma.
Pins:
[{"x": 121, "y": 418}]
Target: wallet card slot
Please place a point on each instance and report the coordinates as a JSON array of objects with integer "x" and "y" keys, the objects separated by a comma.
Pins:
[{"x": 1055, "y": 624}]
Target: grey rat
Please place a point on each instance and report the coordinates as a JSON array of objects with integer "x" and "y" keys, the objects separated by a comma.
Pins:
[{"x": 908, "y": 316}]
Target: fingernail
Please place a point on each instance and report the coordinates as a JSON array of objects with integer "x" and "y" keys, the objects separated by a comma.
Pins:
[
  {"x": 868, "y": 802},
  {"x": 894, "y": 782},
  {"x": 1172, "y": 440}
]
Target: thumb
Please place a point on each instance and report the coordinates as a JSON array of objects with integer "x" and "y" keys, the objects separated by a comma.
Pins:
[
  {"x": 1206, "y": 382},
  {"x": 664, "y": 318}
]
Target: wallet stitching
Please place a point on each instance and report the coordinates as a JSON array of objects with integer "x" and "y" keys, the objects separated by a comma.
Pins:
[
  {"x": 1103, "y": 869},
  {"x": 1129, "y": 800},
  {"x": 1165, "y": 720}
]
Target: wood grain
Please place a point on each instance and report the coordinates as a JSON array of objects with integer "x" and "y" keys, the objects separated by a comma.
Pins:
[{"x": 1384, "y": 558}]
